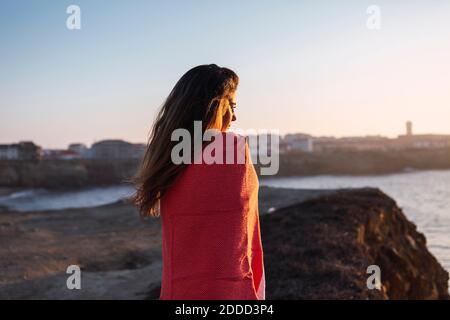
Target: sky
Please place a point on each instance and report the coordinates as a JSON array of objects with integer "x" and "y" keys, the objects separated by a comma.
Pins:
[{"x": 304, "y": 66}]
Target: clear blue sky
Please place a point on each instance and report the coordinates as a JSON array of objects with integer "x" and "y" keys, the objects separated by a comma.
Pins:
[{"x": 305, "y": 66}]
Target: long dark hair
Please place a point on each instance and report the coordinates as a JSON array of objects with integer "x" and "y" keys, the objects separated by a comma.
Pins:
[{"x": 198, "y": 96}]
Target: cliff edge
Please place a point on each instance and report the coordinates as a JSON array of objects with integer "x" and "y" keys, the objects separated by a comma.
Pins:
[{"x": 321, "y": 249}]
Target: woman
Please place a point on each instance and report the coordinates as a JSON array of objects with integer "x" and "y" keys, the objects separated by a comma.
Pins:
[{"x": 210, "y": 225}]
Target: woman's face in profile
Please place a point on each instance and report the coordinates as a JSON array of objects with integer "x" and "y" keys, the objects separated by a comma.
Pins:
[{"x": 229, "y": 114}]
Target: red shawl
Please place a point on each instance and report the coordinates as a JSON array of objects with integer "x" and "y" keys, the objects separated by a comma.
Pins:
[{"x": 211, "y": 235}]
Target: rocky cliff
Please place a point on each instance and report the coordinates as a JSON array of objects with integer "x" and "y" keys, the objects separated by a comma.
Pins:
[{"x": 321, "y": 249}]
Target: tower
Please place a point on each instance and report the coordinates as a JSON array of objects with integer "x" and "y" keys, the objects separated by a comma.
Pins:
[{"x": 409, "y": 128}]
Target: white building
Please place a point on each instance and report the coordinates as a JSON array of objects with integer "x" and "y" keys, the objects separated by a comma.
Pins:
[
  {"x": 9, "y": 152},
  {"x": 80, "y": 149},
  {"x": 24, "y": 150},
  {"x": 298, "y": 142},
  {"x": 117, "y": 149}
]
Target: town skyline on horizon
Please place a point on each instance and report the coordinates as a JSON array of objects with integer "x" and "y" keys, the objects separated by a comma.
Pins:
[{"x": 75, "y": 141}]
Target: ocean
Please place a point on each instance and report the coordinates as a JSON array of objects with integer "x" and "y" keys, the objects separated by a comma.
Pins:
[{"x": 424, "y": 197}]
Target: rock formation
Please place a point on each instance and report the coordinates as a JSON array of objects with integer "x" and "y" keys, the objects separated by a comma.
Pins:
[{"x": 321, "y": 249}]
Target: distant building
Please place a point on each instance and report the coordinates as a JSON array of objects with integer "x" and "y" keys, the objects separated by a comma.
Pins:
[
  {"x": 305, "y": 145},
  {"x": 79, "y": 148},
  {"x": 24, "y": 150},
  {"x": 423, "y": 141},
  {"x": 367, "y": 143},
  {"x": 297, "y": 142},
  {"x": 409, "y": 140},
  {"x": 59, "y": 154},
  {"x": 261, "y": 144},
  {"x": 116, "y": 149},
  {"x": 9, "y": 152},
  {"x": 409, "y": 128}
]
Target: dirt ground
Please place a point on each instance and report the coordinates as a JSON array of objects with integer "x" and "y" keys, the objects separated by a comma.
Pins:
[{"x": 119, "y": 254}]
